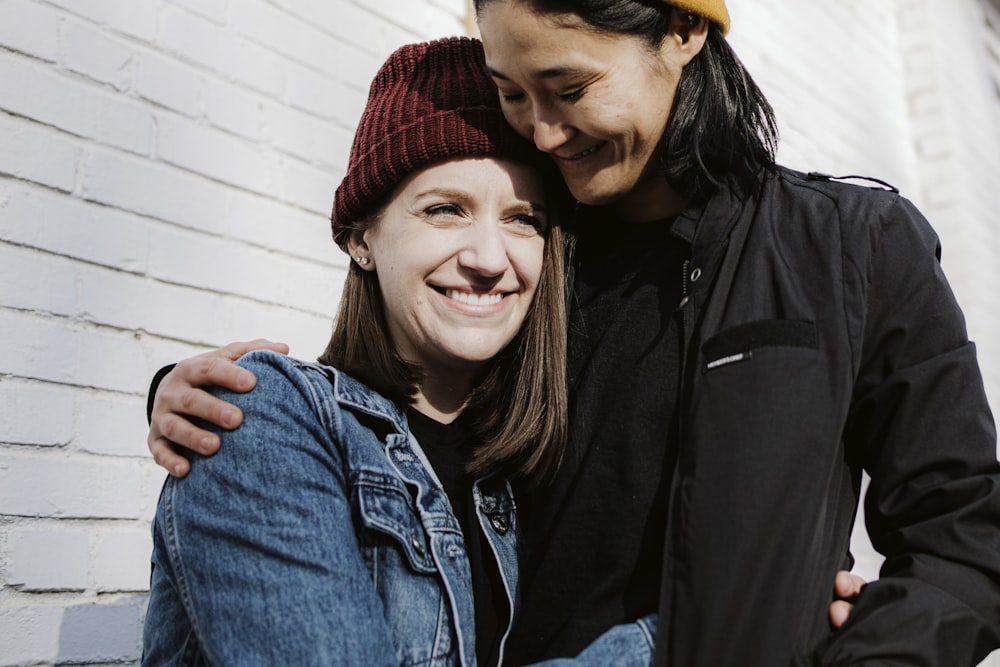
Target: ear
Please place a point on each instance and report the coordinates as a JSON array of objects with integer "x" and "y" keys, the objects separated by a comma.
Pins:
[
  {"x": 359, "y": 250},
  {"x": 688, "y": 32}
]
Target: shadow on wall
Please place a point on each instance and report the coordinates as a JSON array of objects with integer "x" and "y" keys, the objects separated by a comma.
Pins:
[{"x": 102, "y": 632}]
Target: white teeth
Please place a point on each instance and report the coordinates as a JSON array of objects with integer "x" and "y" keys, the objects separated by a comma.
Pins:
[
  {"x": 474, "y": 299},
  {"x": 583, "y": 154}
]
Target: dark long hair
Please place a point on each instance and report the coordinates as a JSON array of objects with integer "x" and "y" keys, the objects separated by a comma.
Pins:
[
  {"x": 721, "y": 130},
  {"x": 518, "y": 411}
]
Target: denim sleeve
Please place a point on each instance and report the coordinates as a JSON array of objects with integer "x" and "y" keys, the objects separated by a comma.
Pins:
[
  {"x": 257, "y": 542},
  {"x": 625, "y": 645}
]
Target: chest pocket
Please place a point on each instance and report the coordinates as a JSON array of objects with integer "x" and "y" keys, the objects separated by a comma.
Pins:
[
  {"x": 386, "y": 510},
  {"x": 738, "y": 344}
]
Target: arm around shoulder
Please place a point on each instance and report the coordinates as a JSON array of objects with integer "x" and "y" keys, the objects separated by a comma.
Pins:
[
  {"x": 179, "y": 395},
  {"x": 259, "y": 542}
]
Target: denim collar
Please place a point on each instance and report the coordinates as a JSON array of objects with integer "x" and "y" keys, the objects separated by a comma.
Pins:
[{"x": 355, "y": 395}]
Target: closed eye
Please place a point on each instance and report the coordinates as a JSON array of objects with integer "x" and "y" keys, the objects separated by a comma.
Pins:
[{"x": 572, "y": 96}]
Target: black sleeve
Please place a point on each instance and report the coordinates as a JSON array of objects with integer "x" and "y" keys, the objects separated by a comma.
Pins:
[
  {"x": 924, "y": 430},
  {"x": 153, "y": 386}
]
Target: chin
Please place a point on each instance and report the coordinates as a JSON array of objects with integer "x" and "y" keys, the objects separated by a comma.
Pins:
[
  {"x": 596, "y": 196},
  {"x": 479, "y": 355}
]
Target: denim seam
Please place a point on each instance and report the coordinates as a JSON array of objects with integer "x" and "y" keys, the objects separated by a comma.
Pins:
[{"x": 177, "y": 563}]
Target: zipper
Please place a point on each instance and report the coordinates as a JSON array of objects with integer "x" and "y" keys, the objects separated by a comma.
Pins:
[
  {"x": 665, "y": 631},
  {"x": 682, "y": 327},
  {"x": 685, "y": 281}
]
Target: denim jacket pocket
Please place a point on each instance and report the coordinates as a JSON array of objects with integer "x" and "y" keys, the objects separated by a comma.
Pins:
[
  {"x": 386, "y": 507},
  {"x": 737, "y": 344}
]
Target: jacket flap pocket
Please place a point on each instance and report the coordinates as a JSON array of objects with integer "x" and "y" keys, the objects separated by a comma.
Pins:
[
  {"x": 387, "y": 508},
  {"x": 738, "y": 343}
]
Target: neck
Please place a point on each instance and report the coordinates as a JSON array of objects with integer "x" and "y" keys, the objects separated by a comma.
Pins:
[
  {"x": 442, "y": 400},
  {"x": 651, "y": 199}
]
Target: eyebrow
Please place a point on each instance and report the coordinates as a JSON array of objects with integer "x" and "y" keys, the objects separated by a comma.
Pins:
[{"x": 547, "y": 73}]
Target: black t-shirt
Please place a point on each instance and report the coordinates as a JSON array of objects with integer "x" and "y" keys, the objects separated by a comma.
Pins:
[
  {"x": 595, "y": 537},
  {"x": 449, "y": 449}
]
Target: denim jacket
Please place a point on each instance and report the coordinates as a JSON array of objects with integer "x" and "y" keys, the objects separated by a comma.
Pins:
[{"x": 319, "y": 535}]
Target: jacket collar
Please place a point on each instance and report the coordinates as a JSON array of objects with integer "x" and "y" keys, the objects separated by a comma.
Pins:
[
  {"x": 706, "y": 224},
  {"x": 354, "y": 395}
]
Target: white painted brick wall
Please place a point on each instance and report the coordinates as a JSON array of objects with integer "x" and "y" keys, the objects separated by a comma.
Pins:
[
  {"x": 48, "y": 560},
  {"x": 166, "y": 174}
]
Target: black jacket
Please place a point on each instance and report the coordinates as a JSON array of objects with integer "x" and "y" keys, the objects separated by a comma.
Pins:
[{"x": 822, "y": 339}]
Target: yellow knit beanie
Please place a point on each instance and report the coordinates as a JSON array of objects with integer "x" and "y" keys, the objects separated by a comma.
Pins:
[{"x": 710, "y": 9}]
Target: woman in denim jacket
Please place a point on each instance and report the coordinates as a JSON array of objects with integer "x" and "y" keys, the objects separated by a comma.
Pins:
[{"x": 323, "y": 533}]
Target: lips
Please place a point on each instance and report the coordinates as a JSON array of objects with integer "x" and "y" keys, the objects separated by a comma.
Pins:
[{"x": 583, "y": 154}]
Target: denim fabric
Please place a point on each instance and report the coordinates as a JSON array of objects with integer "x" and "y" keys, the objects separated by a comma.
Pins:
[{"x": 318, "y": 535}]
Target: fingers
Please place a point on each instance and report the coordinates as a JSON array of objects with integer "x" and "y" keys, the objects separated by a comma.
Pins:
[
  {"x": 178, "y": 429},
  {"x": 212, "y": 369},
  {"x": 183, "y": 397},
  {"x": 839, "y": 612},
  {"x": 216, "y": 368},
  {"x": 236, "y": 350},
  {"x": 170, "y": 431},
  {"x": 167, "y": 458},
  {"x": 184, "y": 391},
  {"x": 847, "y": 586}
]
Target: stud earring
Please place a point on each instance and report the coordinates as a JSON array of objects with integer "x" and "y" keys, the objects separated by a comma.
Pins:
[{"x": 363, "y": 261}]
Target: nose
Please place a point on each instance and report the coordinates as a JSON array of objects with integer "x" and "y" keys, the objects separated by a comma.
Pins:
[
  {"x": 549, "y": 136},
  {"x": 544, "y": 126},
  {"x": 485, "y": 250},
  {"x": 549, "y": 131}
]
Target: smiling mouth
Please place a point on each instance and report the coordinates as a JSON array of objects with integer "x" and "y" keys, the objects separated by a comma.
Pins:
[
  {"x": 583, "y": 154},
  {"x": 473, "y": 299}
]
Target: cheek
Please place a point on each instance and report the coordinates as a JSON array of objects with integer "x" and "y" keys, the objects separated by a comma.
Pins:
[
  {"x": 520, "y": 119},
  {"x": 529, "y": 262}
]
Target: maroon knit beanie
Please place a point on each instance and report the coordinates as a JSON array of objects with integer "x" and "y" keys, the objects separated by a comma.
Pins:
[{"x": 429, "y": 102}]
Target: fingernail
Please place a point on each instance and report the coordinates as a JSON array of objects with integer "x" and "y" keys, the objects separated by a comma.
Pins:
[
  {"x": 244, "y": 380},
  {"x": 205, "y": 443},
  {"x": 176, "y": 472},
  {"x": 228, "y": 416}
]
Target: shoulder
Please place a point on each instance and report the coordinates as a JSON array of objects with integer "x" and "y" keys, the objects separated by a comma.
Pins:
[
  {"x": 847, "y": 193},
  {"x": 282, "y": 383},
  {"x": 865, "y": 208},
  {"x": 329, "y": 390},
  {"x": 271, "y": 368}
]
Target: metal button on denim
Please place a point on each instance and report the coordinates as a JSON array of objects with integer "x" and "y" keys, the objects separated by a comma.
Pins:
[{"x": 500, "y": 523}]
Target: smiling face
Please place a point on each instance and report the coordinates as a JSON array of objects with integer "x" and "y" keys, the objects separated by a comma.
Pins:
[
  {"x": 598, "y": 103},
  {"x": 458, "y": 252}
]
